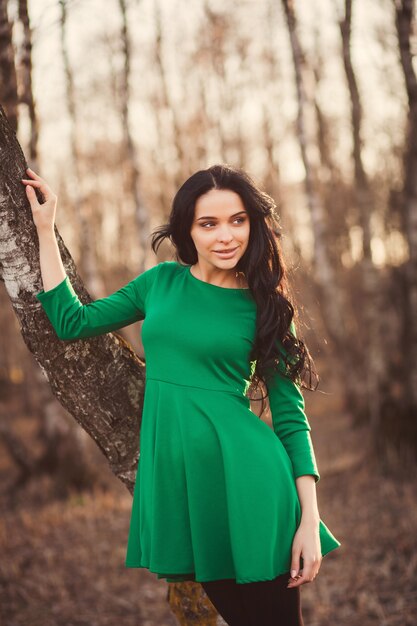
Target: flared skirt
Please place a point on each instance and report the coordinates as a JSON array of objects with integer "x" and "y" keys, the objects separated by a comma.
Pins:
[{"x": 215, "y": 495}]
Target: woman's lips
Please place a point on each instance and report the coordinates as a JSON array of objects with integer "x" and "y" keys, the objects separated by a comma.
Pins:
[{"x": 227, "y": 253}]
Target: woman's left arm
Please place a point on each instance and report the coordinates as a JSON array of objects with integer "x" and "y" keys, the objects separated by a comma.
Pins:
[{"x": 291, "y": 425}]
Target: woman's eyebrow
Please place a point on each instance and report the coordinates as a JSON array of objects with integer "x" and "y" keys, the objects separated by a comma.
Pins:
[{"x": 207, "y": 217}]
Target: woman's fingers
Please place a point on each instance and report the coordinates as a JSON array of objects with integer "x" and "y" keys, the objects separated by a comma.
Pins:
[
  {"x": 41, "y": 185},
  {"x": 43, "y": 212},
  {"x": 34, "y": 174},
  {"x": 307, "y": 575},
  {"x": 37, "y": 183},
  {"x": 294, "y": 581},
  {"x": 30, "y": 191},
  {"x": 31, "y": 195}
]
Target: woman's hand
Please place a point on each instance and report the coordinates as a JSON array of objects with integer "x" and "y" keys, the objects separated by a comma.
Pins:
[
  {"x": 306, "y": 543},
  {"x": 43, "y": 214}
]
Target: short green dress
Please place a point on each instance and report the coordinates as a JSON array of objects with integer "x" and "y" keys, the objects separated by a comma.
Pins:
[{"x": 215, "y": 494}]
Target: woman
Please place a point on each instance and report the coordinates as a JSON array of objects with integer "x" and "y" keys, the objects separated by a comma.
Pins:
[{"x": 220, "y": 498}]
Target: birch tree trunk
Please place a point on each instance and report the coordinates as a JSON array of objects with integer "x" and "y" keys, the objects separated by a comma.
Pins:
[
  {"x": 373, "y": 355},
  {"x": 323, "y": 270},
  {"x": 26, "y": 95},
  {"x": 271, "y": 76},
  {"x": 8, "y": 82},
  {"x": 88, "y": 260},
  {"x": 331, "y": 293},
  {"x": 134, "y": 190},
  {"x": 405, "y": 31},
  {"x": 166, "y": 110},
  {"x": 100, "y": 380}
]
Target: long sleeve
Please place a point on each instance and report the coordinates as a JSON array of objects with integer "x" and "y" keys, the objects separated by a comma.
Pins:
[
  {"x": 290, "y": 423},
  {"x": 73, "y": 320}
]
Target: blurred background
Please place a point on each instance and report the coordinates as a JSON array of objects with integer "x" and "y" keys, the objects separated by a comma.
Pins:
[{"x": 115, "y": 104}]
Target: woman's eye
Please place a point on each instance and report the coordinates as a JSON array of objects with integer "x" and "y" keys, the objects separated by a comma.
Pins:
[{"x": 240, "y": 220}]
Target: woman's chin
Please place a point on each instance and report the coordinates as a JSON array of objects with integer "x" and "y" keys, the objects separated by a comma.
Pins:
[{"x": 225, "y": 263}]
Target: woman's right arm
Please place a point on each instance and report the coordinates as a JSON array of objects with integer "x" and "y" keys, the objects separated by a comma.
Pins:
[
  {"x": 52, "y": 268},
  {"x": 70, "y": 318}
]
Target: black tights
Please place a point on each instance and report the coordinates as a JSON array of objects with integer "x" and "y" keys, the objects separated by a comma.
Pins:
[{"x": 263, "y": 603}]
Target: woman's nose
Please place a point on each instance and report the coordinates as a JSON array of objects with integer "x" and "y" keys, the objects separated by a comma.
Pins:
[{"x": 224, "y": 234}]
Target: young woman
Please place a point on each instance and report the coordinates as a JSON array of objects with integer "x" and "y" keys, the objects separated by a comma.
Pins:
[{"x": 220, "y": 498}]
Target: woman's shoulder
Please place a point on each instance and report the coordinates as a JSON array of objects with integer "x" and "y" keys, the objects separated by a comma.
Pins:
[
  {"x": 160, "y": 272},
  {"x": 170, "y": 268}
]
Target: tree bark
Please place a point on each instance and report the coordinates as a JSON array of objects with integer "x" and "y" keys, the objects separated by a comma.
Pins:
[
  {"x": 88, "y": 260},
  {"x": 333, "y": 299},
  {"x": 133, "y": 173},
  {"x": 8, "y": 81},
  {"x": 167, "y": 115},
  {"x": 404, "y": 25},
  {"x": 323, "y": 270},
  {"x": 100, "y": 381},
  {"x": 324, "y": 273},
  {"x": 271, "y": 76},
  {"x": 26, "y": 95},
  {"x": 373, "y": 354}
]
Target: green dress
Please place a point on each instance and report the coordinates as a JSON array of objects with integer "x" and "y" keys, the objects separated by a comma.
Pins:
[{"x": 215, "y": 494}]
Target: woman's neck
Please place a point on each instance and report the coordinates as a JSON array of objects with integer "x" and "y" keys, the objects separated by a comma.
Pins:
[{"x": 232, "y": 278}]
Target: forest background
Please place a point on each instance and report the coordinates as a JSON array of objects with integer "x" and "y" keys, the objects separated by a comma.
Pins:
[{"x": 115, "y": 104}]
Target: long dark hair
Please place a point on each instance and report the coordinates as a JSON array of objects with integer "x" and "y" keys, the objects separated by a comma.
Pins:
[{"x": 275, "y": 346}]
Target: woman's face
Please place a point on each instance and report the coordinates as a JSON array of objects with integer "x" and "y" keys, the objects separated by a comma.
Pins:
[{"x": 221, "y": 223}]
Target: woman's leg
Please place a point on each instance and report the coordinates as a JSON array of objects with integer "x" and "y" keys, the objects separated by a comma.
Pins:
[
  {"x": 265, "y": 603},
  {"x": 271, "y": 603},
  {"x": 226, "y": 596}
]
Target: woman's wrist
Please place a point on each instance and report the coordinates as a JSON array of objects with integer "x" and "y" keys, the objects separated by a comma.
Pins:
[
  {"x": 310, "y": 516},
  {"x": 306, "y": 487},
  {"x": 46, "y": 232}
]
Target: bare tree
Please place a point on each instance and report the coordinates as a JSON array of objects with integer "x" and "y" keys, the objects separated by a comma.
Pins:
[
  {"x": 373, "y": 355},
  {"x": 133, "y": 173},
  {"x": 88, "y": 261},
  {"x": 8, "y": 81},
  {"x": 26, "y": 91},
  {"x": 270, "y": 76},
  {"x": 323, "y": 271},
  {"x": 100, "y": 381},
  {"x": 404, "y": 12},
  {"x": 166, "y": 107},
  {"x": 213, "y": 36}
]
